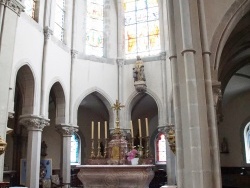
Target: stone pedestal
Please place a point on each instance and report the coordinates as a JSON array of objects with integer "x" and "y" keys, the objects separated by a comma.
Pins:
[{"x": 115, "y": 176}]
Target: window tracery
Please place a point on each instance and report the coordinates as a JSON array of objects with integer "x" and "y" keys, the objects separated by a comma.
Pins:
[
  {"x": 142, "y": 31},
  {"x": 160, "y": 148},
  {"x": 30, "y": 7},
  {"x": 247, "y": 142},
  {"x": 59, "y": 19},
  {"x": 94, "y": 28}
]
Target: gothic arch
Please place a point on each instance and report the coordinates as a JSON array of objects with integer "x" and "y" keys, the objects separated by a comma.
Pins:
[
  {"x": 26, "y": 83},
  {"x": 135, "y": 97},
  {"x": 59, "y": 98},
  {"x": 107, "y": 101},
  {"x": 235, "y": 13}
]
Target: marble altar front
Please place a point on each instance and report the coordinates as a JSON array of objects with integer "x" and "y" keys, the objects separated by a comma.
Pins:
[{"x": 115, "y": 176}]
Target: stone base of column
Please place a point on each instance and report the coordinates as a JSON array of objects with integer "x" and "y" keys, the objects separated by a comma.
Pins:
[{"x": 169, "y": 186}]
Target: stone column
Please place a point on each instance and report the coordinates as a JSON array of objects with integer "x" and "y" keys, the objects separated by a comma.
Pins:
[
  {"x": 34, "y": 125},
  {"x": 176, "y": 96},
  {"x": 9, "y": 12},
  {"x": 47, "y": 37},
  {"x": 66, "y": 131},
  {"x": 199, "y": 163}
]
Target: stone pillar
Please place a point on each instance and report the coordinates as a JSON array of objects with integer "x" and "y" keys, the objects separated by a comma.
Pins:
[
  {"x": 66, "y": 131},
  {"x": 9, "y": 12},
  {"x": 34, "y": 125},
  {"x": 176, "y": 96},
  {"x": 198, "y": 164},
  {"x": 47, "y": 37}
]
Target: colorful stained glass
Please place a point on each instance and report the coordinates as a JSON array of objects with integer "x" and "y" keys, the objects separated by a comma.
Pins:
[
  {"x": 141, "y": 4},
  {"x": 152, "y": 3},
  {"x": 153, "y": 14},
  {"x": 75, "y": 149},
  {"x": 142, "y": 33},
  {"x": 141, "y": 15},
  {"x": 95, "y": 11},
  {"x": 130, "y": 18},
  {"x": 30, "y": 7},
  {"x": 94, "y": 25}
]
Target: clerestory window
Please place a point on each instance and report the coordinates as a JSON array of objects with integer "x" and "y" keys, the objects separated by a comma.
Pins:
[
  {"x": 59, "y": 19},
  {"x": 94, "y": 28},
  {"x": 142, "y": 31},
  {"x": 30, "y": 7}
]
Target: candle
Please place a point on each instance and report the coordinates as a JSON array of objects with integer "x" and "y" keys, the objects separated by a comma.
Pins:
[
  {"x": 139, "y": 124},
  {"x": 132, "y": 131},
  {"x": 106, "y": 133},
  {"x": 146, "y": 119},
  {"x": 92, "y": 130},
  {"x": 99, "y": 130}
]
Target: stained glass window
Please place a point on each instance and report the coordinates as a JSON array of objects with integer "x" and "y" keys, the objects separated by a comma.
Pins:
[
  {"x": 142, "y": 33},
  {"x": 247, "y": 142},
  {"x": 161, "y": 156},
  {"x": 30, "y": 6},
  {"x": 75, "y": 149},
  {"x": 94, "y": 28},
  {"x": 59, "y": 19}
]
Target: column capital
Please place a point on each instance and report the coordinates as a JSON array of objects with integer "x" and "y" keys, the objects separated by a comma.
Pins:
[
  {"x": 120, "y": 62},
  {"x": 47, "y": 32},
  {"x": 217, "y": 92},
  {"x": 66, "y": 130},
  {"x": 11, "y": 115},
  {"x": 14, "y": 5},
  {"x": 33, "y": 122}
]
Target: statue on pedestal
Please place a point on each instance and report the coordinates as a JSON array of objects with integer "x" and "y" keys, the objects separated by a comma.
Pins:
[{"x": 139, "y": 76}]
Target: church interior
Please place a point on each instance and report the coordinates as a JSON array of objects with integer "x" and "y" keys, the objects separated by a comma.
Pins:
[{"x": 83, "y": 82}]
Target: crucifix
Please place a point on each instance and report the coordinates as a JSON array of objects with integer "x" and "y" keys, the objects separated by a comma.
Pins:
[{"x": 117, "y": 106}]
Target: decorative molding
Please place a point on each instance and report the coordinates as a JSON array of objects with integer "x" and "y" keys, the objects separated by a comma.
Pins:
[
  {"x": 74, "y": 53},
  {"x": 32, "y": 122},
  {"x": 13, "y": 5},
  {"x": 66, "y": 130},
  {"x": 188, "y": 50},
  {"x": 47, "y": 33}
]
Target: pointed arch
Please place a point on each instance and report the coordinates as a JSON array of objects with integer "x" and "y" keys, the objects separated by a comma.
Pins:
[
  {"x": 135, "y": 97},
  {"x": 57, "y": 92},
  {"x": 107, "y": 101},
  {"x": 26, "y": 83}
]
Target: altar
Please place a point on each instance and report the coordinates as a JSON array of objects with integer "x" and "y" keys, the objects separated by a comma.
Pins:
[{"x": 115, "y": 176}]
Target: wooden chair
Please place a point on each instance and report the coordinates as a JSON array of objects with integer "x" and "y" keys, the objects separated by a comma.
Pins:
[{"x": 56, "y": 182}]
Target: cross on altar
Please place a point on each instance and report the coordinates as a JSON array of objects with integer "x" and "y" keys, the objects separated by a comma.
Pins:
[{"x": 117, "y": 106}]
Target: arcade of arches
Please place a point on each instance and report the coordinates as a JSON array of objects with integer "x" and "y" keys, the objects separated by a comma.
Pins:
[{"x": 59, "y": 73}]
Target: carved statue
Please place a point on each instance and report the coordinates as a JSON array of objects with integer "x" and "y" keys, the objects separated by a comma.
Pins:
[
  {"x": 138, "y": 70},
  {"x": 139, "y": 76}
]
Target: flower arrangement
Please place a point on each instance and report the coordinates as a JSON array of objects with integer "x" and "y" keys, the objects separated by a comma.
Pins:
[{"x": 132, "y": 154}]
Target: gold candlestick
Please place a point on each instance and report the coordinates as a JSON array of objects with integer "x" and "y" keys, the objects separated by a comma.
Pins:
[
  {"x": 99, "y": 155},
  {"x": 147, "y": 147},
  {"x": 106, "y": 148},
  {"x": 132, "y": 143},
  {"x": 92, "y": 155}
]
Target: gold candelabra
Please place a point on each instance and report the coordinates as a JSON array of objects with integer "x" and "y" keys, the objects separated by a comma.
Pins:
[{"x": 92, "y": 155}]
